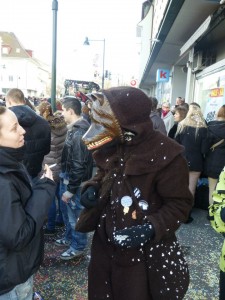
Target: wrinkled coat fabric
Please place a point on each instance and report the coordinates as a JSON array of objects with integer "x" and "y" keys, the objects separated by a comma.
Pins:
[
  {"x": 154, "y": 166},
  {"x": 76, "y": 160},
  {"x": 22, "y": 213}
]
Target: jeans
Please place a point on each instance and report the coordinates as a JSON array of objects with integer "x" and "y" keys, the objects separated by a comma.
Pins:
[
  {"x": 74, "y": 208},
  {"x": 23, "y": 291},
  {"x": 63, "y": 206},
  {"x": 53, "y": 216}
]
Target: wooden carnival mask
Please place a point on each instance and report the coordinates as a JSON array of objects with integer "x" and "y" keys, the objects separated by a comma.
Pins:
[{"x": 104, "y": 126}]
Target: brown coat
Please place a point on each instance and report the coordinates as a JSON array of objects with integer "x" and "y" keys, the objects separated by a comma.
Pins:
[
  {"x": 58, "y": 136},
  {"x": 154, "y": 167}
]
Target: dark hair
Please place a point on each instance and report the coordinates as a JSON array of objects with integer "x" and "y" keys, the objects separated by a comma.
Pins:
[
  {"x": 186, "y": 105},
  {"x": 182, "y": 111},
  {"x": 73, "y": 103},
  {"x": 45, "y": 109},
  {"x": 221, "y": 112},
  {"x": 3, "y": 109},
  {"x": 154, "y": 103}
]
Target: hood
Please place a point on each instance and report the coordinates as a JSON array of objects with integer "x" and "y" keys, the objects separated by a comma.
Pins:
[
  {"x": 217, "y": 128},
  {"x": 56, "y": 122},
  {"x": 130, "y": 105},
  {"x": 119, "y": 115},
  {"x": 25, "y": 115}
]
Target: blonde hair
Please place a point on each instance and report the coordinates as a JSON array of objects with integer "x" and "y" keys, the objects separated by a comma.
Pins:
[{"x": 194, "y": 118}]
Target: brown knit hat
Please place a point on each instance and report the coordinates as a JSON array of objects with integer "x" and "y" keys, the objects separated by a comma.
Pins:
[{"x": 130, "y": 105}]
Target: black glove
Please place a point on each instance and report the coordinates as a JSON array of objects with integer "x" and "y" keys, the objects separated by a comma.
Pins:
[
  {"x": 222, "y": 214},
  {"x": 89, "y": 197},
  {"x": 133, "y": 237}
]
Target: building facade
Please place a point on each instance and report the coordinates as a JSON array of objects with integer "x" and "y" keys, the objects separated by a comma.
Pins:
[{"x": 183, "y": 52}]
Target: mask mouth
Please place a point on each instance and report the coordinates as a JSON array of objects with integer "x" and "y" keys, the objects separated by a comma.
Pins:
[
  {"x": 100, "y": 143},
  {"x": 96, "y": 136}
]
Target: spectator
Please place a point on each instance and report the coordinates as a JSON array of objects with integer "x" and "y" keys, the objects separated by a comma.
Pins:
[
  {"x": 133, "y": 203},
  {"x": 77, "y": 164},
  {"x": 58, "y": 135},
  {"x": 179, "y": 101},
  {"x": 167, "y": 116},
  {"x": 157, "y": 122},
  {"x": 192, "y": 134},
  {"x": 215, "y": 157},
  {"x": 38, "y": 132},
  {"x": 23, "y": 209},
  {"x": 180, "y": 113}
]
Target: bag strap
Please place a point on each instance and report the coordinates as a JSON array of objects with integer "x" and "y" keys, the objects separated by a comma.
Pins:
[{"x": 216, "y": 144}]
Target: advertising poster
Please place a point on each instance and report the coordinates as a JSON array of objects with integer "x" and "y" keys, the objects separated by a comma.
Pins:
[{"x": 214, "y": 102}]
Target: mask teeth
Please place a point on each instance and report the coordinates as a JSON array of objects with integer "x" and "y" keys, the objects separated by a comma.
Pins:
[{"x": 99, "y": 143}]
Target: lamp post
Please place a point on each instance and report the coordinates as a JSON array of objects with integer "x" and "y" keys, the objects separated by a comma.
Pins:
[
  {"x": 87, "y": 43},
  {"x": 54, "y": 48}
]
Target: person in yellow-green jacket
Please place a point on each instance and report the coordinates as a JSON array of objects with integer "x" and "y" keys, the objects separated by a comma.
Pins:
[{"x": 217, "y": 220}]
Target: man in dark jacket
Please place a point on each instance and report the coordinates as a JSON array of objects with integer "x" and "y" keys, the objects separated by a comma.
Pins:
[
  {"x": 77, "y": 167},
  {"x": 38, "y": 132}
]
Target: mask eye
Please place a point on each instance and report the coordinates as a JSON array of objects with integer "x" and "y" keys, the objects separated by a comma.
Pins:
[{"x": 99, "y": 97}]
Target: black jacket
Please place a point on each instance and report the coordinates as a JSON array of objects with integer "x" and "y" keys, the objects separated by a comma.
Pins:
[
  {"x": 196, "y": 145},
  {"x": 23, "y": 210},
  {"x": 77, "y": 160},
  {"x": 215, "y": 160},
  {"x": 37, "y": 137}
]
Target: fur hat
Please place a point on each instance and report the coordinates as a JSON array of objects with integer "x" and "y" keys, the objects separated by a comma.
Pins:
[{"x": 130, "y": 105}]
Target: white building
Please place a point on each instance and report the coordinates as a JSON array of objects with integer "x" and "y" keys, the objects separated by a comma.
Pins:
[{"x": 19, "y": 69}]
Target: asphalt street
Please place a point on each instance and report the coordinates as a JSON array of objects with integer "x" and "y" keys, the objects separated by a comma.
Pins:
[{"x": 67, "y": 280}]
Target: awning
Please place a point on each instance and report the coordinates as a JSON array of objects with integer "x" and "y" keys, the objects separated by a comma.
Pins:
[{"x": 197, "y": 34}]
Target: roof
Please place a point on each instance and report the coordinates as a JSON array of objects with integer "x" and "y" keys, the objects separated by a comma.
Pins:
[{"x": 16, "y": 49}]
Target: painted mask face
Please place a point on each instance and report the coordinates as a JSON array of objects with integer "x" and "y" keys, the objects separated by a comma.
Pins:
[{"x": 104, "y": 125}]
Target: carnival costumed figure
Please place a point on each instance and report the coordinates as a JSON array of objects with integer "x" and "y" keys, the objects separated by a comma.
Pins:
[{"x": 135, "y": 202}]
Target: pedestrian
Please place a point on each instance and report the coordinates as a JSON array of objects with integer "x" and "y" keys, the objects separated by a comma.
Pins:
[
  {"x": 215, "y": 157},
  {"x": 157, "y": 122},
  {"x": 133, "y": 202},
  {"x": 167, "y": 116},
  {"x": 217, "y": 220},
  {"x": 38, "y": 132},
  {"x": 192, "y": 134},
  {"x": 76, "y": 167},
  {"x": 58, "y": 136},
  {"x": 180, "y": 113},
  {"x": 23, "y": 209}
]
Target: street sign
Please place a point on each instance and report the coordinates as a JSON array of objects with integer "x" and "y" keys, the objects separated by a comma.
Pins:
[
  {"x": 133, "y": 82},
  {"x": 162, "y": 75}
]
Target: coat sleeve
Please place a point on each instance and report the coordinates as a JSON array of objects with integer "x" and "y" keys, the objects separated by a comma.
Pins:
[
  {"x": 78, "y": 164},
  {"x": 172, "y": 187},
  {"x": 18, "y": 224}
]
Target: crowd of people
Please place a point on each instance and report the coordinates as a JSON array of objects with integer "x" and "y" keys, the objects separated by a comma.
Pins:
[{"x": 132, "y": 203}]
